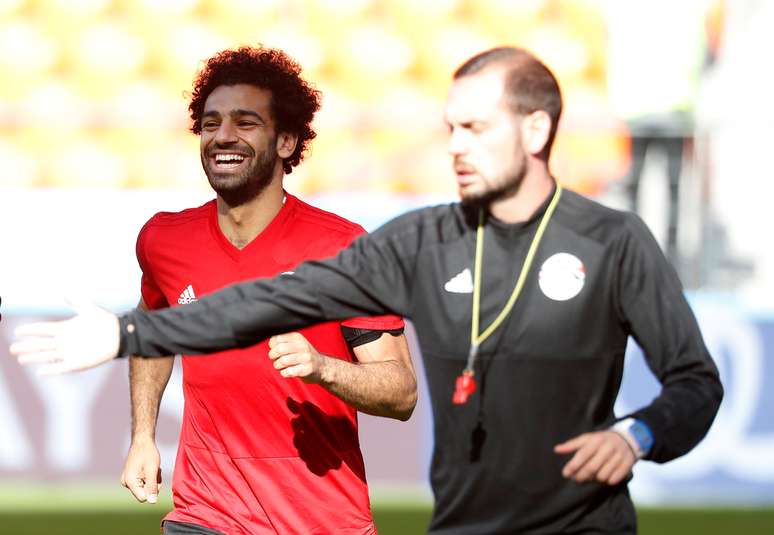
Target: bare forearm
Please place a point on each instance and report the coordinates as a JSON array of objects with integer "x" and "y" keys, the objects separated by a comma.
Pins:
[
  {"x": 379, "y": 388},
  {"x": 380, "y": 382},
  {"x": 147, "y": 380}
]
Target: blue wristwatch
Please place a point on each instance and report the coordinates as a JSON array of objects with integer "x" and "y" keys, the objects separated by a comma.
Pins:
[{"x": 637, "y": 434}]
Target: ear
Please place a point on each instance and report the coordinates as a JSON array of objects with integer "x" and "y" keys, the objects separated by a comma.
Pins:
[
  {"x": 286, "y": 144},
  {"x": 535, "y": 130}
]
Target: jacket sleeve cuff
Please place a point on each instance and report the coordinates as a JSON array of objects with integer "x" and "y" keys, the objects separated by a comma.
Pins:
[{"x": 127, "y": 341}]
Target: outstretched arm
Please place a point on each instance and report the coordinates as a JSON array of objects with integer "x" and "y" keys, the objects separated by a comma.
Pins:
[{"x": 373, "y": 276}]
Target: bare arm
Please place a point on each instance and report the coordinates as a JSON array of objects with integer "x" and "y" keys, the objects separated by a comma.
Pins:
[
  {"x": 148, "y": 379},
  {"x": 382, "y": 382}
]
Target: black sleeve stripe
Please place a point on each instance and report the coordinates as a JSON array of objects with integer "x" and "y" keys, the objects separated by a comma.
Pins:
[{"x": 357, "y": 337}]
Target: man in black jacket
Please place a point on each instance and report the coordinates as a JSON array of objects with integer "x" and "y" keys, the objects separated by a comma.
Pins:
[{"x": 551, "y": 284}]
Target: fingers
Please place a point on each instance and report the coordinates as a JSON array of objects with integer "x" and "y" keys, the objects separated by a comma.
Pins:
[
  {"x": 587, "y": 470},
  {"x": 133, "y": 481},
  {"x": 82, "y": 342},
  {"x": 143, "y": 486},
  {"x": 60, "y": 368},
  {"x": 621, "y": 462},
  {"x": 287, "y": 347},
  {"x": 37, "y": 355},
  {"x": 294, "y": 365},
  {"x": 284, "y": 348},
  {"x": 152, "y": 482},
  {"x": 37, "y": 350},
  {"x": 602, "y": 456},
  {"x": 43, "y": 328},
  {"x": 290, "y": 359},
  {"x": 299, "y": 365},
  {"x": 286, "y": 338},
  {"x": 299, "y": 370},
  {"x": 571, "y": 445},
  {"x": 619, "y": 474},
  {"x": 294, "y": 356},
  {"x": 137, "y": 488},
  {"x": 581, "y": 457},
  {"x": 615, "y": 468},
  {"x": 142, "y": 471}
]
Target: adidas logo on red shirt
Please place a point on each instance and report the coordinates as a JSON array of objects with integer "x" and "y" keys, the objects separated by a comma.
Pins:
[{"x": 187, "y": 296}]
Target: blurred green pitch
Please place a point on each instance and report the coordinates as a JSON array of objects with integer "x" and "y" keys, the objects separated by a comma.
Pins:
[{"x": 96, "y": 509}]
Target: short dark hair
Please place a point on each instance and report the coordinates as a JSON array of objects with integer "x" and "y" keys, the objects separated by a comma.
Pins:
[
  {"x": 293, "y": 101},
  {"x": 529, "y": 85}
]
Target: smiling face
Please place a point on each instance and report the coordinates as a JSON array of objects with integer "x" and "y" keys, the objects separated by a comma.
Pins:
[
  {"x": 485, "y": 138},
  {"x": 238, "y": 144}
]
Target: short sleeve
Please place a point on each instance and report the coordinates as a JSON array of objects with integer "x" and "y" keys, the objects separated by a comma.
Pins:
[
  {"x": 375, "y": 323},
  {"x": 152, "y": 295}
]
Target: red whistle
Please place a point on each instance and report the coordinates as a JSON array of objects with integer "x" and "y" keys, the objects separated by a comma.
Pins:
[{"x": 464, "y": 388}]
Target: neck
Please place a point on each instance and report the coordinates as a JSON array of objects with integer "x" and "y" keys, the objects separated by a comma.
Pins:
[
  {"x": 521, "y": 205},
  {"x": 241, "y": 224}
]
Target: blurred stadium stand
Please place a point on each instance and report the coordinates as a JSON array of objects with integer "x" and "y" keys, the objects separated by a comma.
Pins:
[{"x": 109, "y": 77}]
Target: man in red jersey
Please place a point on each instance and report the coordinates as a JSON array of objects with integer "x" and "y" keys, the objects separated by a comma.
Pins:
[{"x": 269, "y": 436}]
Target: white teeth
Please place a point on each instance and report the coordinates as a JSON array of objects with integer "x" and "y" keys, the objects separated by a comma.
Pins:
[{"x": 222, "y": 158}]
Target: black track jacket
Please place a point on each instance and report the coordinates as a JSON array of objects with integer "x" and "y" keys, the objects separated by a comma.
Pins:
[{"x": 550, "y": 372}]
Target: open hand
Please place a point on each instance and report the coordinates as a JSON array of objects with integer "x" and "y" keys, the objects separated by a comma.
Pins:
[
  {"x": 603, "y": 456},
  {"x": 84, "y": 341}
]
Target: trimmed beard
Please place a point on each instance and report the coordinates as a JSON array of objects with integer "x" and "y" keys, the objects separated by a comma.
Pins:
[
  {"x": 248, "y": 185},
  {"x": 506, "y": 189}
]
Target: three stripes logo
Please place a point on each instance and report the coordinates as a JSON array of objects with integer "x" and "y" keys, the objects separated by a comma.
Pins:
[{"x": 187, "y": 296}]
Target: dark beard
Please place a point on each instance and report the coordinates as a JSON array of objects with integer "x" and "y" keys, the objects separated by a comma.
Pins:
[
  {"x": 247, "y": 186},
  {"x": 507, "y": 189}
]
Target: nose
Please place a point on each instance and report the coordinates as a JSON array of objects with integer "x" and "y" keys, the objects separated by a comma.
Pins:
[
  {"x": 226, "y": 133},
  {"x": 457, "y": 144}
]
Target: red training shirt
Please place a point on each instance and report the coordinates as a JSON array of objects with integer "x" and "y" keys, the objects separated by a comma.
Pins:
[{"x": 258, "y": 453}]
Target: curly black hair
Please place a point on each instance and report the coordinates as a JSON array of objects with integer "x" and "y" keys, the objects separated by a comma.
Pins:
[{"x": 293, "y": 104}]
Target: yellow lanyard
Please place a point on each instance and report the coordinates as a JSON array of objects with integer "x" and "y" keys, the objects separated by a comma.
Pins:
[{"x": 477, "y": 339}]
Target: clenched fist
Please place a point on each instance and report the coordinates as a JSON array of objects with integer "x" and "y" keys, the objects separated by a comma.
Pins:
[
  {"x": 294, "y": 356},
  {"x": 142, "y": 472}
]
